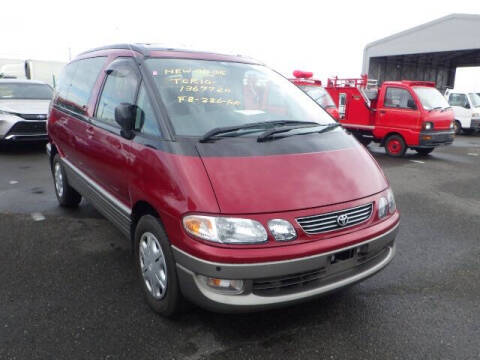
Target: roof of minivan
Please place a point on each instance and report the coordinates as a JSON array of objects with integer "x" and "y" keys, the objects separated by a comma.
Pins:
[{"x": 147, "y": 49}]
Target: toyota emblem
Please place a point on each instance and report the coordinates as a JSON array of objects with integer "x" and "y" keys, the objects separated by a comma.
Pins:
[{"x": 342, "y": 220}]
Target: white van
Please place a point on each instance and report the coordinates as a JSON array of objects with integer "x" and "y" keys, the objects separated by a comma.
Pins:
[{"x": 466, "y": 107}]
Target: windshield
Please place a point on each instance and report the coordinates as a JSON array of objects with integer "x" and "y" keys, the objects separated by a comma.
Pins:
[
  {"x": 430, "y": 97},
  {"x": 474, "y": 99},
  {"x": 25, "y": 91},
  {"x": 320, "y": 95},
  {"x": 202, "y": 95}
]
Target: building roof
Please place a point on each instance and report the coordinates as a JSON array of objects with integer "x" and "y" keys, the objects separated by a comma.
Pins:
[{"x": 449, "y": 33}]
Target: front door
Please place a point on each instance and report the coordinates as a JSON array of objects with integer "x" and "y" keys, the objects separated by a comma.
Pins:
[
  {"x": 398, "y": 110},
  {"x": 111, "y": 156}
]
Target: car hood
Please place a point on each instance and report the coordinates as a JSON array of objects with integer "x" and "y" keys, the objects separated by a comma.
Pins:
[
  {"x": 292, "y": 173},
  {"x": 25, "y": 106}
]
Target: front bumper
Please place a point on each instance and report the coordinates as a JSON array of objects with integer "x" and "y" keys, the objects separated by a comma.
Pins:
[
  {"x": 475, "y": 124},
  {"x": 430, "y": 139},
  {"x": 279, "y": 283},
  {"x": 24, "y": 130}
]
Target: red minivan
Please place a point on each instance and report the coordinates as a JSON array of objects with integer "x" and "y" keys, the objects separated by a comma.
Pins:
[{"x": 237, "y": 191}]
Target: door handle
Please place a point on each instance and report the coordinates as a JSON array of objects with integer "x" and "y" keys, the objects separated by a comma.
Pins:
[
  {"x": 382, "y": 112},
  {"x": 90, "y": 130}
]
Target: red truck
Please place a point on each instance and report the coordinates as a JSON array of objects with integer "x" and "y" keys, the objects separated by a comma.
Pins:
[
  {"x": 314, "y": 89},
  {"x": 397, "y": 115}
]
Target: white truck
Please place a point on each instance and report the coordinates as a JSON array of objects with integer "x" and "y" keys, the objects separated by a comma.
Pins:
[
  {"x": 466, "y": 108},
  {"x": 45, "y": 71}
]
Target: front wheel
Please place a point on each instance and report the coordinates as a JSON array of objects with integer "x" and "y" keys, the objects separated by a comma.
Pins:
[
  {"x": 395, "y": 146},
  {"x": 156, "y": 267},
  {"x": 424, "y": 151},
  {"x": 457, "y": 127}
]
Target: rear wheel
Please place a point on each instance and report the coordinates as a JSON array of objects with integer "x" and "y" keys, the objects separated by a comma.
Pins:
[
  {"x": 424, "y": 151},
  {"x": 457, "y": 127},
  {"x": 395, "y": 146},
  {"x": 66, "y": 195},
  {"x": 156, "y": 267}
]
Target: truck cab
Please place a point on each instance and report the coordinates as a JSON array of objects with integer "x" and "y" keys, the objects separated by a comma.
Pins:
[
  {"x": 466, "y": 109},
  {"x": 398, "y": 114}
]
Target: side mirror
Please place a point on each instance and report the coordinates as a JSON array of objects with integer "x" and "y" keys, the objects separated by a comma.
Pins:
[
  {"x": 125, "y": 116},
  {"x": 411, "y": 104},
  {"x": 467, "y": 105}
]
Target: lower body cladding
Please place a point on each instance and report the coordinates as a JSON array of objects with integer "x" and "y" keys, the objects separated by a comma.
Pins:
[
  {"x": 280, "y": 283},
  {"x": 430, "y": 139}
]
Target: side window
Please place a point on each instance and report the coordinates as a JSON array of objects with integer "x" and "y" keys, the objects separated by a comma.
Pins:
[
  {"x": 83, "y": 81},
  {"x": 457, "y": 100},
  {"x": 120, "y": 87},
  {"x": 146, "y": 122},
  {"x": 64, "y": 83},
  {"x": 76, "y": 83},
  {"x": 398, "y": 98}
]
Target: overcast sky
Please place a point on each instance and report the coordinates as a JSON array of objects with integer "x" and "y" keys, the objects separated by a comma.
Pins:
[{"x": 326, "y": 37}]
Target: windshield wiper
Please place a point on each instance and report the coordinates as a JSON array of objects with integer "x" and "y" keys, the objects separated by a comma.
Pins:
[
  {"x": 227, "y": 129},
  {"x": 267, "y": 135},
  {"x": 446, "y": 108},
  {"x": 435, "y": 108}
]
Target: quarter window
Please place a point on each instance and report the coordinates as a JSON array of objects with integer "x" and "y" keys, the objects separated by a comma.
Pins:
[
  {"x": 146, "y": 122},
  {"x": 120, "y": 87},
  {"x": 398, "y": 98}
]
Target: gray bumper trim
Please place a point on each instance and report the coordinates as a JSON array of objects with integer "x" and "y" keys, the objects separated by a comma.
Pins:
[
  {"x": 273, "y": 268},
  {"x": 199, "y": 293}
]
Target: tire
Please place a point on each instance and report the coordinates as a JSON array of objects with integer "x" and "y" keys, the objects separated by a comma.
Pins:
[
  {"x": 154, "y": 263},
  {"x": 458, "y": 127},
  {"x": 424, "y": 151},
  {"x": 66, "y": 195},
  {"x": 395, "y": 146}
]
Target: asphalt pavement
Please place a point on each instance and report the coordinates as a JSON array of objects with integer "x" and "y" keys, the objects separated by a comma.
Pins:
[{"x": 68, "y": 288}]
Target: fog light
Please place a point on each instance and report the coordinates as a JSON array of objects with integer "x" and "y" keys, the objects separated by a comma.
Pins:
[
  {"x": 223, "y": 286},
  {"x": 426, "y": 137}
]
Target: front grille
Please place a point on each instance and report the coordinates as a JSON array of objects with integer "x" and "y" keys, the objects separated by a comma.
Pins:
[
  {"x": 29, "y": 128},
  {"x": 475, "y": 124},
  {"x": 316, "y": 224},
  {"x": 33, "y": 116}
]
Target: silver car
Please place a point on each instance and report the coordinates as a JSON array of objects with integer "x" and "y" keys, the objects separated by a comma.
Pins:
[{"x": 23, "y": 110}]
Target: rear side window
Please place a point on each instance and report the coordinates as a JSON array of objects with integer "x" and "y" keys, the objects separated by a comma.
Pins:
[
  {"x": 77, "y": 82},
  {"x": 120, "y": 87},
  {"x": 398, "y": 98},
  {"x": 457, "y": 100}
]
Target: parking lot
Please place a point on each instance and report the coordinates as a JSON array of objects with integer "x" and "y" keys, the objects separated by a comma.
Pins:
[{"x": 68, "y": 288}]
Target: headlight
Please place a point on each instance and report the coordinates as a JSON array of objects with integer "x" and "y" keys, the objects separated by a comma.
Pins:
[
  {"x": 225, "y": 230},
  {"x": 428, "y": 126},
  {"x": 476, "y": 114},
  {"x": 452, "y": 125},
  {"x": 392, "y": 206},
  {"x": 282, "y": 230},
  {"x": 386, "y": 205},
  {"x": 382, "y": 207}
]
